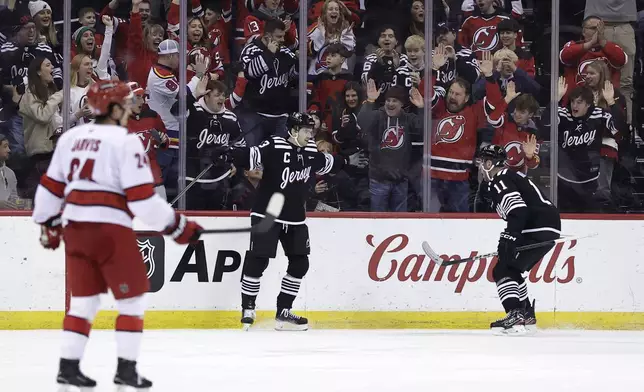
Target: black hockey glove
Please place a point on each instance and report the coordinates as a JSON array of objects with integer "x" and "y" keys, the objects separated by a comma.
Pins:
[
  {"x": 508, "y": 246},
  {"x": 51, "y": 232},
  {"x": 219, "y": 156}
]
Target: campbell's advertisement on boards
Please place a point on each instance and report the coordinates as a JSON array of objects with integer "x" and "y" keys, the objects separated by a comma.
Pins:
[
  {"x": 363, "y": 264},
  {"x": 358, "y": 264}
]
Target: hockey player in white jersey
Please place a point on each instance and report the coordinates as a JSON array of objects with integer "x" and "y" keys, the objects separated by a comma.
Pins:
[{"x": 101, "y": 175}]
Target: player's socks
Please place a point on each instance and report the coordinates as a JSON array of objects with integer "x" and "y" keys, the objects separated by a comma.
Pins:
[
  {"x": 71, "y": 378},
  {"x": 75, "y": 335},
  {"x": 285, "y": 320},
  {"x": 508, "y": 294},
  {"x": 129, "y": 332},
  {"x": 290, "y": 288},
  {"x": 127, "y": 376},
  {"x": 250, "y": 290}
]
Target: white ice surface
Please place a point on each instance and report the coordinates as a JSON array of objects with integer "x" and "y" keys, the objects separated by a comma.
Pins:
[{"x": 324, "y": 361}]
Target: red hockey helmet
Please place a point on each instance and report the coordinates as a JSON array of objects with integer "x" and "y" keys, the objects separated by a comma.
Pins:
[{"x": 106, "y": 92}]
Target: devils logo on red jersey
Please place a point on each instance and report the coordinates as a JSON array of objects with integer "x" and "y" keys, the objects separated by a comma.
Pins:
[
  {"x": 581, "y": 69},
  {"x": 515, "y": 155},
  {"x": 393, "y": 138},
  {"x": 450, "y": 129},
  {"x": 146, "y": 140},
  {"x": 485, "y": 38},
  {"x": 320, "y": 61}
]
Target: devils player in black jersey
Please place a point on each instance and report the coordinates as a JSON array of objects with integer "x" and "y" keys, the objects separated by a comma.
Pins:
[
  {"x": 288, "y": 165},
  {"x": 531, "y": 219}
]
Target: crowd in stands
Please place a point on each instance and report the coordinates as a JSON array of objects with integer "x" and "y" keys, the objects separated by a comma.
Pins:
[{"x": 366, "y": 77}]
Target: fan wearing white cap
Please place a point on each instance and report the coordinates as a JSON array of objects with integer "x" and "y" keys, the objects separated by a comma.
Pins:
[
  {"x": 41, "y": 13},
  {"x": 162, "y": 88}
]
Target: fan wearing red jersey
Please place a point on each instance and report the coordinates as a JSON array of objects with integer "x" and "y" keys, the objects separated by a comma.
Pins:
[
  {"x": 577, "y": 55},
  {"x": 101, "y": 174},
  {"x": 515, "y": 132},
  {"x": 479, "y": 32},
  {"x": 148, "y": 126},
  {"x": 454, "y": 142}
]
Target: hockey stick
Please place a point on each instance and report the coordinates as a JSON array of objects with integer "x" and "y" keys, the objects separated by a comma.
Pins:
[
  {"x": 196, "y": 179},
  {"x": 273, "y": 210},
  {"x": 435, "y": 257},
  {"x": 183, "y": 192}
]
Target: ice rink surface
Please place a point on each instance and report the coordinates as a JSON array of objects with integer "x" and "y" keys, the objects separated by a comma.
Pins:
[{"x": 347, "y": 360}]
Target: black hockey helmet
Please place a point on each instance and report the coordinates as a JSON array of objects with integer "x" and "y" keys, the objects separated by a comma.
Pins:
[
  {"x": 493, "y": 153},
  {"x": 297, "y": 120}
]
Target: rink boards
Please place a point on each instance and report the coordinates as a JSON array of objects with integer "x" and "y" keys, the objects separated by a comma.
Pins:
[{"x": 366, "y": 272}]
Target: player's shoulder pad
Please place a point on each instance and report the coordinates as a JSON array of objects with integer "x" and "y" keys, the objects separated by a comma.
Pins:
[
  {"x": 311, "y": 147},
  {"x": 505, "y": 175}
]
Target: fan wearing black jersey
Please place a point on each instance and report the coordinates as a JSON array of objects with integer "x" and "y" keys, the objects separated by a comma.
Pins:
[
  {"x": 531, "y": 219},
  {"x": 288, "y": 164}
]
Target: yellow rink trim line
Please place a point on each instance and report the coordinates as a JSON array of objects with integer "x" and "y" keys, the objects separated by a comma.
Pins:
[{"x": 334, "y": 320}]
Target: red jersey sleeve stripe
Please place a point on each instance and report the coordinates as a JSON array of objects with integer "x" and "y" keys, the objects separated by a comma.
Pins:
[
  {"x": 56, "y": 188},
  {"x": 98, "y": 199},
  {"x": 139, "y": 192}
]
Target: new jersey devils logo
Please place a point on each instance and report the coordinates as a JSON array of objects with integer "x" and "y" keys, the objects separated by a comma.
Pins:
[
  {"x": 582, "y": 69},
  {"x": 450, "y": 129},
  {"x": 515, "y": 155},
  {"x": 145, "y": 141},
  {"x": 485, "y": 38},
  {"x": 147, "y": 253},
  {"x": 320, "y": 61},
  {"x": 393, "y": 138}
]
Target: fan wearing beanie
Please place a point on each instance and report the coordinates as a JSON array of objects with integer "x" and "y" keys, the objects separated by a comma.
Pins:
[{"x": 41, "y": 13}]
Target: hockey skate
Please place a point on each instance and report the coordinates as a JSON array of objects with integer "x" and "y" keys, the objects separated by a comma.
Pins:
[
  {"x": 287, "y": 321},
  {"x": 127, "y": 379},
  {"x": 71, "y": 379},
  {"x": 513, "y": 324},
  {"x": 530, "y": 318},
  {"x": 248, "y": 318}
]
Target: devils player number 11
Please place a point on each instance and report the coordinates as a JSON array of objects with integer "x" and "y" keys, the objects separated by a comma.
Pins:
[{"x": 503, "y": 187}]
